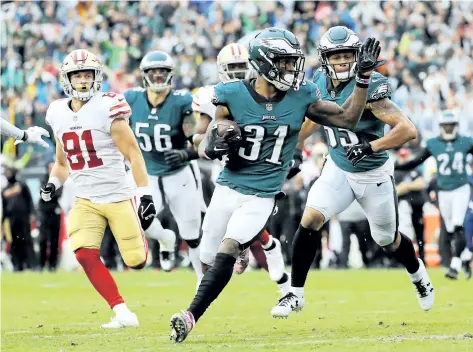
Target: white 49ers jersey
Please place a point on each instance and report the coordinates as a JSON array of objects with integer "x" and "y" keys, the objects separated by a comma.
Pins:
[
  {"x": 96, "y": 165},
  {"x": 202, "y": 101}
]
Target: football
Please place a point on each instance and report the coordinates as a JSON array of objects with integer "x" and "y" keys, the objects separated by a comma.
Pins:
[{"x": 227, "y": 127}]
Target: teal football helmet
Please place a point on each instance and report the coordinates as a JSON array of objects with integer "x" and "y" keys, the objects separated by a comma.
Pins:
[
  {"x": 276, "y": 54},
  {"x": 448, "y": 123},
  {"x": 157, "y": 60},
  {"x": 338, "y": 39}
]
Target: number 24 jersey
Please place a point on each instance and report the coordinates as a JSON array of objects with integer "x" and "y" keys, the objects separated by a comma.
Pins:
[{"x": 96, "y": 165}]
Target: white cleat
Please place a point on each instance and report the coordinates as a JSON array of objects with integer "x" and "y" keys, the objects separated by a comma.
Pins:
[
  {"x": 167, "y": 260},
  {"x": 285, "y": 288},
  {"x": 424, "y": 290},
  {"x": 181, "y": 325},
  {"x": 288, "y": 304},
  {"x": 242, "y": 262},
  {"x": 122, "y": 321},
  {"x": 275, "y": 261}
]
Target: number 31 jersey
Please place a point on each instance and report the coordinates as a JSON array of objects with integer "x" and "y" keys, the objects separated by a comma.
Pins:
[
  {"x": 96, "y": 166},
  {"x": 159, "y": 128}
]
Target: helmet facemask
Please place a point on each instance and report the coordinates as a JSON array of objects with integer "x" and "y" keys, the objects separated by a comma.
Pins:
[
  {"x": 157, "y": 79},
  {"x": 72, "y": 91},
  {"x": 234, "y": 70},
  {"x": 449, "y": 131},
  {"x": 284, "y": 71},
  {"x": 330, "y": 69}
]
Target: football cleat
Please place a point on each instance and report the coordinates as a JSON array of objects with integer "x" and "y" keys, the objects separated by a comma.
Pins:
[
  {"x": 275, "y": 261},
  {"x": 467, "y": 269},
  {"x": 167, "y": 260},
  {"x": 122, "y": 321},
  {"x": 286, "y": 305},
  {"x": 452, "y": 274},
  {"x": 242, "y": 262},
  {"x": 181, "y": 325},
  {"x": 424, "y": 289}
]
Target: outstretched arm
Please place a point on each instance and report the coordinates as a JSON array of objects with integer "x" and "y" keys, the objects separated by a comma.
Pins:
[
  {"x": 346, "y": 116},
  {"x": 422, "y": 156}
]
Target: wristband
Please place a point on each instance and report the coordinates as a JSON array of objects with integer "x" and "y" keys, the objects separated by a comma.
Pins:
[
  {"x": 55, "y": 181},
  {"x": 362, "y": 81},
  {"x": 142, "y": 191}
]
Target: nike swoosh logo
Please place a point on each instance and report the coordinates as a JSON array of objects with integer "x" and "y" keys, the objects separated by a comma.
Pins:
[
  {"x": 379, "y": 184},
  {"x": 218, "y": 149},
  {"x": 376, "y": 80},
  {"x": 120, "y": 99}
]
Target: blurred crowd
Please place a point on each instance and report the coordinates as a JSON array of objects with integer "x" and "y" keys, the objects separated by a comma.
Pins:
[{"x": 428, "y": 47}]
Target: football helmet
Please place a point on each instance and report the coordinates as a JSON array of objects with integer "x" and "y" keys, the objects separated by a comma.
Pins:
[
  {"x": 338, "y": 38},
  {"x": 157, "y": 59},
  {"x": 81, "y": 60},
  {"x": 448, "y": 123},
  {"x": 266, "y": 51},
  {"x": 233, "y": 63}
]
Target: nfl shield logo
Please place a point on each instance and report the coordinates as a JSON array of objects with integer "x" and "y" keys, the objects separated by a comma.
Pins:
[
  {"x": 74, "y": 119},
  {"x": 332, "y": 94},
  {"x": 269, "y": 107}
]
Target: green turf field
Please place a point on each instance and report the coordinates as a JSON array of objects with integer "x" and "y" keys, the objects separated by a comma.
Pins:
[{"x": 345, "y": 311}]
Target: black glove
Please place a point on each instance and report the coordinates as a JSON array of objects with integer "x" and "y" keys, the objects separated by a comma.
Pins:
[
  {"x": 175, "y": 157},
  {"x": 358, "y": 152},
  {"x": 368, "y": 56},
  {"x": 47, "y": 191},
  {"x": 220, "y": 146},
  {"x": 295, "y": 164},
  {"x": 146, "y": 211}
]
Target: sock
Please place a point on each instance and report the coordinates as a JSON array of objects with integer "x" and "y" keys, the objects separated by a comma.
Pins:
[
  {"x": 456, "y": 264},
  {"x": 460, "y": 240},
  {"x": 417, "y": 276},
  {"x": 213, "y": 282},
  {"x": 283, "y": 280},
  {"x": 99, "y": 276},
  {"x": 304, "y": 249},
  {"x": 406, "y": 255},
  {"x": 298, "y": 291},
  {"x": 266, "y": 240},
  {"x": 121, "y": 308},
  {"x": 194, "y": 257}
]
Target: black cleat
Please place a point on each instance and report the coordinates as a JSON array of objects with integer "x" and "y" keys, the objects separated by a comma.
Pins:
[
  {"x": 452, "y": 274},
  {"x": 467, "y": 269}
]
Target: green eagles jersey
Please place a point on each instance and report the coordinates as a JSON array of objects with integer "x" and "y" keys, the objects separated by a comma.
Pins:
[
  {"x": 369, "y": 128},
  {"x": 160, "y": 128},
  {"x": 270, "y": 129},
  {"x": 451, "y": 160}
]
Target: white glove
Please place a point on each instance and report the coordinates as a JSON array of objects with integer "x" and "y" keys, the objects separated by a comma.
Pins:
[{"x": 34, "y": 135}]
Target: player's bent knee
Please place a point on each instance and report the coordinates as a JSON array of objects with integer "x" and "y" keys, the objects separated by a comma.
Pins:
[
  {"x": 312, "y": 219},
  {"x": 193, "y": 243},
  {"x": 389, "y": 243},
  {"x": 135, "y": 259}
]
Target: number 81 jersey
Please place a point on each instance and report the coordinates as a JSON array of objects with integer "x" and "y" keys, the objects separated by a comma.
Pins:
[{"x": 96, "y": 165}]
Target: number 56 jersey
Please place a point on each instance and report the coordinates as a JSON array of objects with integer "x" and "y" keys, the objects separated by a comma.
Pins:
[{"x": 96, "y": 166}]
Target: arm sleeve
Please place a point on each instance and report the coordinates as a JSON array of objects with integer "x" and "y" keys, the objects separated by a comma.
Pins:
[
  {"x": 10, "y": 130},
  {"x": 418, "y": 159},
  {"x": 219, "y": 96},
  {"x": 119, "y": 109}
]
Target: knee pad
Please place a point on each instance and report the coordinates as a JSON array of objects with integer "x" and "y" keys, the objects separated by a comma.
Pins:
[
  {"x": 136, "y": 258},
  {"x": 193, "y": 243}
]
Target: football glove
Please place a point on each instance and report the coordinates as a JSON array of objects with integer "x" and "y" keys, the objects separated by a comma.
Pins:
[
  {"x": 368, "y": 56},
  {"x": 175, "y": 157},
  {"x": 295, "y": 164},
  {"x": 220, "y": 146},
  {"x": 359, "y": 152},
  {"x": 47, "y": 191},
  {"x": 34, "y": 135},
  {"x": 146, "y": 211}
]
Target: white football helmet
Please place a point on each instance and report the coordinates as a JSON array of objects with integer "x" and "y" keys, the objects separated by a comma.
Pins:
[
  {"x": 81, "y": 60},
  {"x": 448, "y": 123},
  {"x": 336, "y": 39},
  {"x": 233, "y": 62}
]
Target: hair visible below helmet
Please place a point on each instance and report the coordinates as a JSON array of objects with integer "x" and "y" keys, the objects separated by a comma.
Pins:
[
  {"x": 233, "y": 54},
  {"x": 269, "y": 47},
  {"x": 338, "y": 39},
  {"x": 81, "y": 60},
  {"x": 156, "y": 59},
  {"x": 448, "y": 123}
]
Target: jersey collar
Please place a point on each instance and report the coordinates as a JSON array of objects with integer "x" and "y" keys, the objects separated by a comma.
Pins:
[
  {"x": 334, "y": 91},
  {"x": 249, "y": 84}
]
